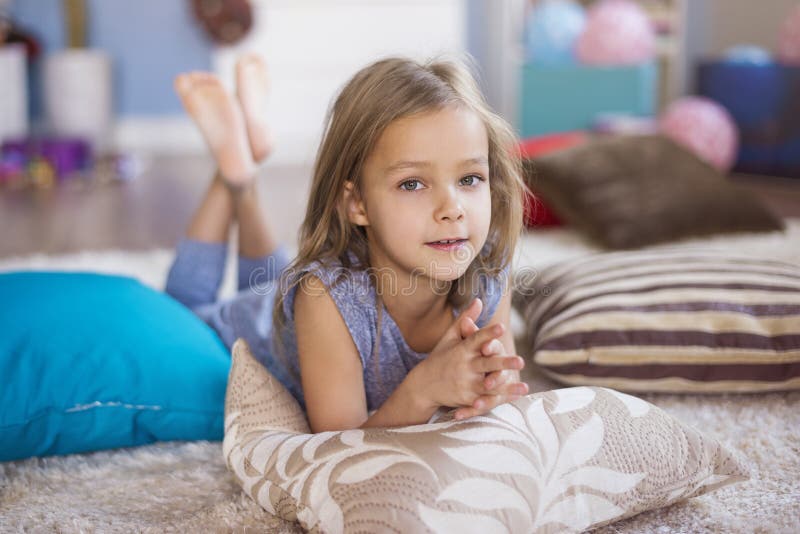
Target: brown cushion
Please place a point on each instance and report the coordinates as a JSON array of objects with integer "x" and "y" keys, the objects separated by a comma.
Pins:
[
  {"x": 671, "y": 320},
  {"x": 631, "y": 191},
  {"x": 564, "y": 460}
]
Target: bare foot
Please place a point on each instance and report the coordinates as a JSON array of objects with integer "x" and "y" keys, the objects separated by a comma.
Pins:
[
  {"x": 252, "y": 87},
  {"x": 221, "y": 122}
]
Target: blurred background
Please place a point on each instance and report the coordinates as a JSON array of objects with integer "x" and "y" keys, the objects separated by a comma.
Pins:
[{"x": 97, "y": 152}]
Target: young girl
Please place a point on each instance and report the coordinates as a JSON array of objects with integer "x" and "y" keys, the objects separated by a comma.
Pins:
[{"x": 397, "y": 302}]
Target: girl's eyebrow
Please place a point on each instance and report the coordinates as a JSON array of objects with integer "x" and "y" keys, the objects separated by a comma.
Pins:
[{"x": 480, "y": 160}]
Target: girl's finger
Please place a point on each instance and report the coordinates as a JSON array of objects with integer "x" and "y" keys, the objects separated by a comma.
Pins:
[
  {"x": 495, "y": 379},
  {"x": 487, "y": 333},
  {"x": 491, "y": 399},
  {"x": 492, "y": 347},
  {"x": 514, "y": 388},
  {"x": 482, "y": 404},
  {"x": 488, "y": 364},
  {"x": 487, "y": 403},
  {"x": 463, "y": 413},
  {"x": 468, "y": 327}
]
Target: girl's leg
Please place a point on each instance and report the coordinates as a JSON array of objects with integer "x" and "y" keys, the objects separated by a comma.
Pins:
[
  {"x": 221, "y": 121},
  {"x": 260, "y": 257},
  {"x": 211, "y": 221},
  {"x": 196, "y": 273},
  {"x": 252, "y": 89},
  {"x": 256, "y": 238}
]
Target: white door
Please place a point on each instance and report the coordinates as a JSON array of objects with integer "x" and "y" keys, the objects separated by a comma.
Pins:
[{"x": 313, "y": 46}]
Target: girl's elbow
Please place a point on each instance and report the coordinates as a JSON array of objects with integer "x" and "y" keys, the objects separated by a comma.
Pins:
[{"x": 336, "y": 423}]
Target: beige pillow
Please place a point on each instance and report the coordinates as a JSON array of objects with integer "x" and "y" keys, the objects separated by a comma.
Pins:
[
  {"x": 670, "y": 320},
  {"x": 567, "y": 459}
]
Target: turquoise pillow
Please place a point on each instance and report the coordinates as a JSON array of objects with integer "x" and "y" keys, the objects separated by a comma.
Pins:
[{"x": 90, "y": 361}]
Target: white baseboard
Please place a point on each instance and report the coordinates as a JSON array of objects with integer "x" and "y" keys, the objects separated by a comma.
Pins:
[
  {"x": 168, "y": 134},
  {"x": 178, "y": 135}
]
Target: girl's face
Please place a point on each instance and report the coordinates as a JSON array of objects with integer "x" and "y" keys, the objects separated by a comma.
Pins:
[{"x": 427, "y": 180}]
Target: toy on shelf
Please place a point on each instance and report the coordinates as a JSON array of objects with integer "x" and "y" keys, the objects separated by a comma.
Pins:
[
  {"x": 12, "y": 173},
  {"x": 618, "y": 32},
  {"x": 117, "y": 167},
  {"x": 747, "y": 55},
  {"x": 704, "y": 127},
  {"x": 41, "y": 173},
  {"x": 552, "y": 29}
]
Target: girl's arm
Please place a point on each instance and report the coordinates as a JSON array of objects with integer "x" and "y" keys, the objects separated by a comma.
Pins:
[{"x": 332, "y": 374}]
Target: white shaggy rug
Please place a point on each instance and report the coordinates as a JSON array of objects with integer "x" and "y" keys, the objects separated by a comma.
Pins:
[{"x": 185, "y": 487}]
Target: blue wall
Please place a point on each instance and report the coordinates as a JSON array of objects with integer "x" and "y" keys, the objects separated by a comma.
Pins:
[{"x": 149, "y": 41}]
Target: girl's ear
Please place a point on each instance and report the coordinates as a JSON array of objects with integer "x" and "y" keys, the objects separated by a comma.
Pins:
[{"x": 354, "y": 206}]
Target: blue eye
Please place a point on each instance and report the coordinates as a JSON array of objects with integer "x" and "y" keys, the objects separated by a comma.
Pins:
[
  {"x": 471, "y": 179},
  {"x": 404, "y": 185}
]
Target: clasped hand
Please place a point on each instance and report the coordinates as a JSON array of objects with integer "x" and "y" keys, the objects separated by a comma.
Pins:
[{"x": 469, "y": 368}]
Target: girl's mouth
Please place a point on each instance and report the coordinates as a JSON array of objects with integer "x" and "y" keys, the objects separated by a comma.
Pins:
[{"x": 447, "y": 244}]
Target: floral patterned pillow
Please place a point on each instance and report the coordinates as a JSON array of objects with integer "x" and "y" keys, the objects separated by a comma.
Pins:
[{"x": 568, "y": 459}]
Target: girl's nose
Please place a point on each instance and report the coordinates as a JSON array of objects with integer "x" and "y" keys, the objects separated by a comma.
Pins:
[{"x": 449, "y": 207}]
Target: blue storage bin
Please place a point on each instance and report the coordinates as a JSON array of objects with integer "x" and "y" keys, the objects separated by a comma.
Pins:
[
  {"x": 764, "y": 100},
  {"x": 561, "y": 98}
]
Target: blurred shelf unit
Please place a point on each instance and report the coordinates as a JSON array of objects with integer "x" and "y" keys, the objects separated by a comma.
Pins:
[
  {"x": 558, "y": 98},
  {"x": 562, "y": 98}
]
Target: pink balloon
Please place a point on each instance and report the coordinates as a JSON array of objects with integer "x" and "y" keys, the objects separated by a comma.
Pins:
[
  {"x": 704, "y": 128},
  {"x": 789, "y": 39},
  {"x": 617, "y": 32}
]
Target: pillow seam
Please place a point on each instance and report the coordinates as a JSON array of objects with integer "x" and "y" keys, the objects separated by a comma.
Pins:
[{"x": 53, "y": 411}]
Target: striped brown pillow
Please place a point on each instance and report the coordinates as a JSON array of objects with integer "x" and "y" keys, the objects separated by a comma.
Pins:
[{"x": 672, "y": 320}]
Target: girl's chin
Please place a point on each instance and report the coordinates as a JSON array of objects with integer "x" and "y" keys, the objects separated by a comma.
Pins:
[{"x": 446, "y": 271}]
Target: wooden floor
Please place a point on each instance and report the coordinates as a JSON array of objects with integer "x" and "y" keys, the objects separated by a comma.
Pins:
[{"x": 153, "y": 210}]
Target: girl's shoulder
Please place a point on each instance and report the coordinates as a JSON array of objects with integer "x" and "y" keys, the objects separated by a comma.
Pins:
[
  {"x": 348, "y": 287},
  {"x": 350, "y": 290}
]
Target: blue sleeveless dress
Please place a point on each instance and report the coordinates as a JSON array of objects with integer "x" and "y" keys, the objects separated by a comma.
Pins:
[{"x": 249, "y": 315}]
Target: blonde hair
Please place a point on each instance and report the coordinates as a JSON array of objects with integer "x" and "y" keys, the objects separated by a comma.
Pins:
[{"x": 377, "y": 95}]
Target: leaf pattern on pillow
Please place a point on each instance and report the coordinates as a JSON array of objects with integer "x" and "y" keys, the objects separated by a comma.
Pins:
[
  {"x": 572, "y": 399},
  {"x": 636, "y": 406},
  {"x": 309, "y": 481},
  {"x": 566, "y": 460},
  {"x": 561, "y": 468}
]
